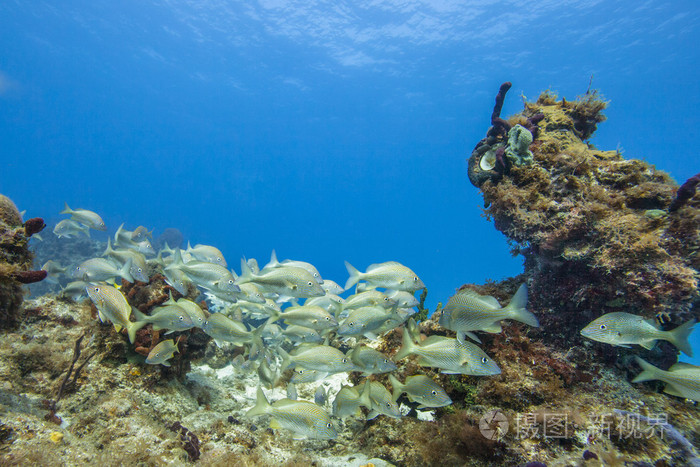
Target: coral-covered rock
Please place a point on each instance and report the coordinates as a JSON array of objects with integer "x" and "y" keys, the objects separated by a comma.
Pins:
[
  {"x": 15, "y": 262},
  {"x": 587, "y": 223}
]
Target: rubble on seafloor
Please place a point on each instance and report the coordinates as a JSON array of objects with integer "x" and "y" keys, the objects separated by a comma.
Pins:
[{"x": 597, "y": 236}]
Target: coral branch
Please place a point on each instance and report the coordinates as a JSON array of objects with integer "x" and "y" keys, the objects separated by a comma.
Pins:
[
  {"x": 51, "y": 416},
  {"x": 29, "y": 277},
  {"x": 500, "y": 126},
  {"x": 684, "y": 193}
]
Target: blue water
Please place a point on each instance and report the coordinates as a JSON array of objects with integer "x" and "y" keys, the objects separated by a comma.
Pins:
[{"x": 329, "y": 131}]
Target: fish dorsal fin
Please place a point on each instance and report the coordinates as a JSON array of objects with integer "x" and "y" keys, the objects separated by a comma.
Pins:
[
  {"x": 682, "y": 366},
  {"x": 432, "y": 340},
  {"x": 379, "y": 265},
  {"x": 488, "y": 300},
  {"x": 491, "y": 300}
]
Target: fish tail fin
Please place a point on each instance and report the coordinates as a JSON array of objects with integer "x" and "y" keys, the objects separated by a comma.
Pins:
[
  {"x": 354, "y": 276},
  {"x": 125, "y": 272},
  {"x": 140, "y": 317},
  {"x": 407, "y": 345},
  {"x": 517, "y": 310},
  {"x": 397, "y": 387},
  {"x": 286, "y": 359},
  {"x": 649, "y": 371},
  {"x": 132, "y": 328},
  {"x": 108, "y": 251},
  {"x": 87, "y": 231},
  {"x": 66, "y": 209},
  {"x": 364, "y": 398},
  {"x": 262, "y": 406},
  {"x": 679, "y": 337}
]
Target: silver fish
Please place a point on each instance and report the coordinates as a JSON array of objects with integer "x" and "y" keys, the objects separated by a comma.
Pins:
[
  {"x": 112, "y": 305},
  {"x": 363, "y": 321},
  {"x": 403, "y": 299},
  {"x": 161, "y": 353},
  {"x": 302, "y": 375},
  {"x": 75, "y": 290},
  {"x": 682, "y": 379},
  {"x": 371, "y": 361},
  {"x": 313, "y": 317},
  {"x": 347, "y": 402},
  {"x": 303, "y": 418},
  {"x": 140, "y": 234},
  {"x": 390, "y": 275},
  {"x": 378, "y": 400},
  {"x": 323, "y": 358},
  {"x": 68, "y": 228},
  {"x": 99, "y": 269},
  {"x": 288, "y": 281},
  {"x": 621, "y": 329},
  {"x": 177, "y": 279},
  {"x": 89, "y": 218},
  {"x": 193, "y": 310},
  {"x": 138, "y": 270},
  {"x": 421, "y": 389},
  {"x": 205, "y": 274},
  {"x": 368, "y": 298},
  {"x": 53, "y": 269},
  {"x": 468, "y": 311},
  {"x": 223, "y": 329},
  {"x": 171, "y": 317},
  {"x": 207, "y": 253},
  {"x": 297, "y": 264},
  {"x": 451, "y": 355},
  {"x": 332, "y": 287},
  {"x": 302, "y": 334}
]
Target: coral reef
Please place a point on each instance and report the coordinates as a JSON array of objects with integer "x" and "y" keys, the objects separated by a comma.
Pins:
[
  {"x": 595, "y": 224},
  {"x": 15, "y": 260}
]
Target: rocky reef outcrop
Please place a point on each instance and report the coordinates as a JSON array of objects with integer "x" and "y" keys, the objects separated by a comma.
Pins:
[{"x": 15, "y": 260}]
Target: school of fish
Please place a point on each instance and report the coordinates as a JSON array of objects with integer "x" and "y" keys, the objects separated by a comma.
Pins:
[{"x": 286, "y": 316}]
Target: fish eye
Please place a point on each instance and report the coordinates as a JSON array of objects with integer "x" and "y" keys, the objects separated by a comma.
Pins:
[
  {"x": 386, "y": 299},
  {"x": 433, "y": 392},
  {"x": 351, "y": 324},
  {"x": 345, "y": 360},
  {"x": 310, "y": 283},
  {"x": 329, "y": 425},
  {"x": 139, "y": 269},
  {"x": 603, "y": 327},
  {"x": 484, "y": 360},
  {"x": 415, "y": 279},
  {"x": 328, "y": 318},
  {"x": 386, "y": 360},
  {"x": 181, "y": 318}
]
